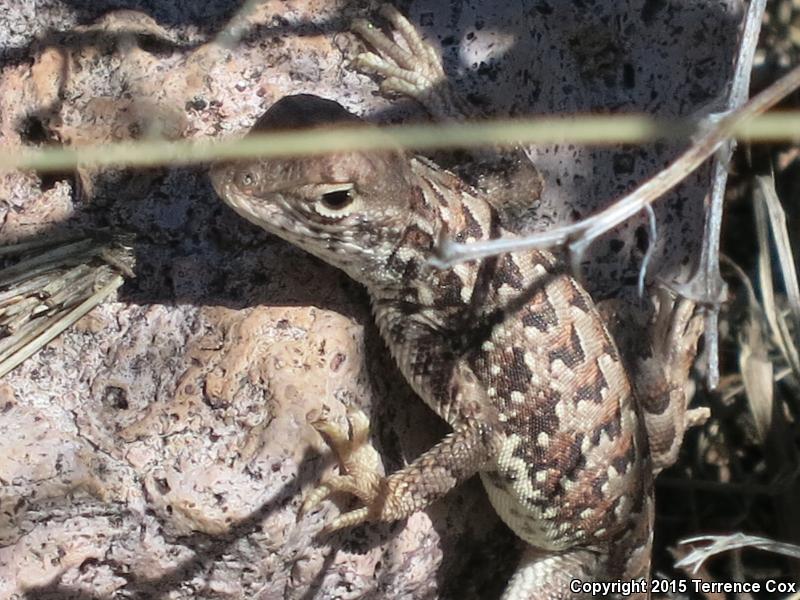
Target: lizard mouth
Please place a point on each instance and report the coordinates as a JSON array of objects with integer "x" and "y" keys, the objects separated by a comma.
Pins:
[{"x": 221, "y": 176}]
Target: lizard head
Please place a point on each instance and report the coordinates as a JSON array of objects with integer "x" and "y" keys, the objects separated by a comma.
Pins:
[{"x": 350, "y": 208}]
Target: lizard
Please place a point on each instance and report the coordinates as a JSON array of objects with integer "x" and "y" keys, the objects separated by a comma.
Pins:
[{"x": 510, "y": 350}]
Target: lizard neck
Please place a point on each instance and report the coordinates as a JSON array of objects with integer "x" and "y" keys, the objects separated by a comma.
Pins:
[
  {"x": 429, "y": 316},
  {"x": 442, "y": 206}
]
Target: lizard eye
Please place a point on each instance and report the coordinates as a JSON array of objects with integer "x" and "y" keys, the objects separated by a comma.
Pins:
[
  {"x": 331, "y": 201},
  {"x": 337, "y": 199}
]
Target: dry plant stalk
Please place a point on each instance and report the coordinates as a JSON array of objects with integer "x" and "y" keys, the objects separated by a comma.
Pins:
[
  {"x": 54, "y": 283},
  {"x": 724, "y": 543},
  {"x": 577, "y": 236}
]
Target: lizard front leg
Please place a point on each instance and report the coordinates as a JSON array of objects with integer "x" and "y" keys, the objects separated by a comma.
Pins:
[{"x": 458, "y": 456}]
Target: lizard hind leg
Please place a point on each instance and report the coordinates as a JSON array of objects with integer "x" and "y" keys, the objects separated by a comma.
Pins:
[{"x": 662, "y": 379}]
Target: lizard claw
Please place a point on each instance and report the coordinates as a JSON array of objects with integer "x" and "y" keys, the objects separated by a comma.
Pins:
[{"x": 358, "y": 461}]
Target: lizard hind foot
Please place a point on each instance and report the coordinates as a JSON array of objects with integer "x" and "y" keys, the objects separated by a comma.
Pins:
[
  {"x": 663, "y": 379},
  {"x": 359, "y": 464}
]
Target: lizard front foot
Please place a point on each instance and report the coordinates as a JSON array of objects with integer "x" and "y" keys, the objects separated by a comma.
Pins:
[
  {"x": 412, "y": 69},
  {"x": 398, "y": 496},
  {"x": 358, "y": 461}
]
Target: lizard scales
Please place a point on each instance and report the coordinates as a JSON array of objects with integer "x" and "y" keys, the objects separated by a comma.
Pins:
[{"x": 509, "y": 350}]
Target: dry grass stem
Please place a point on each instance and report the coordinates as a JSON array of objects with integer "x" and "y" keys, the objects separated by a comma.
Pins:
[{"x": 53, "y": 285}]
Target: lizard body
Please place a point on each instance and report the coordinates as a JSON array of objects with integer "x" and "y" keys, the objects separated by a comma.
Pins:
[{"x": 510, "y": 351}]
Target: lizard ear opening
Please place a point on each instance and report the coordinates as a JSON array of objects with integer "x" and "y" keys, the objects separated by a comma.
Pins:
[{"x": 246, "y": 180}]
